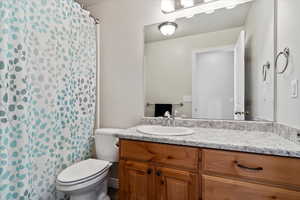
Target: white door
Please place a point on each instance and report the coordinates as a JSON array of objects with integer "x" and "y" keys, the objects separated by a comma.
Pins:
[
  {"x": 213, "y": 84},
  {"x": 239, "y": 78}
]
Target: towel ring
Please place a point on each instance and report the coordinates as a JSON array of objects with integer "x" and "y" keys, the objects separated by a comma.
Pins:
[
  {"x": 286, "y": 54},
  {"x": 265, "y": 67}
]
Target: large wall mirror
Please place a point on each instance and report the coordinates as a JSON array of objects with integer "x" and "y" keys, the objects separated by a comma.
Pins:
[{"x": 214, "y": 65}]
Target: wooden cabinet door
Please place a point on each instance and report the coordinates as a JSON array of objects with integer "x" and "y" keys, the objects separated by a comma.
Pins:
[
  {"x": 173, "y": 184},
  {"x": 216, "y": 188},
  {"x": 136, "y": 181}
]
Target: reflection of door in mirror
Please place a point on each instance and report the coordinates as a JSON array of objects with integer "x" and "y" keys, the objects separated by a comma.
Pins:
[
  {"x": 215, "y": 72},
  {"x": 212, "y": 85}
]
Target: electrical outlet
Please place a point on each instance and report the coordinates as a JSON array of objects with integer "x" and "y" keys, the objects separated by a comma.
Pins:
[
  {"x": 187, "y": 99},
  {"x": 294, "y": 88}
]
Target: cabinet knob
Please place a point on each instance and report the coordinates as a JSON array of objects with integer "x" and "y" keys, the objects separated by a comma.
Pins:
[
  {"x": 158, "y": 173},
  {"x": 149, "y": 171}
]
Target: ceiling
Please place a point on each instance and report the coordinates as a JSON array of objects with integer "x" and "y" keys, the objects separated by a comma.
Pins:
[{"x": 203, "y": 23}]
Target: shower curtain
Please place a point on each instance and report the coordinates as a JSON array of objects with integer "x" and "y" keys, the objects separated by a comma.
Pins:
[{"x": 47, "y": 94}]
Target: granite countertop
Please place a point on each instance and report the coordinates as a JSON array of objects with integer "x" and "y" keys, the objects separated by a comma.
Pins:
[{"x": 224, "y": 139}]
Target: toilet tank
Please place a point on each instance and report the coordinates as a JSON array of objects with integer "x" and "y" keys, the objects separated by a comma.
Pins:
[{"x": 106, "y": 144}]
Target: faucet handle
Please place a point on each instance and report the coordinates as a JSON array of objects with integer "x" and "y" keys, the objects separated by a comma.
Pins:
[
  {"x": 175, "y": 113},
  {"x": 167, "y": 114}
]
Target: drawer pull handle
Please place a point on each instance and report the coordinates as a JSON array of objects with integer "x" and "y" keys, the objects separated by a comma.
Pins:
[{"x": 248, "y": 168}]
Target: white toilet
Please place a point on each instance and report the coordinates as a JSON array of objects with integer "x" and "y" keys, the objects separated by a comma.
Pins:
[{"x": 87, "y": 180}]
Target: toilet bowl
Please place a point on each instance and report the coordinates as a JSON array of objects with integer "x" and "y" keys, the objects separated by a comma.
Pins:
[{"x": 88, "y": 179}]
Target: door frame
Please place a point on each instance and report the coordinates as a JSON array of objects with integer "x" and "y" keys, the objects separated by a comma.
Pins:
[{"x": 225, "y": 48}]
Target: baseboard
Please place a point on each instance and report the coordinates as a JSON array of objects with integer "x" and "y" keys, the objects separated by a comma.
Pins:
[{"x": 113, "y": 183}]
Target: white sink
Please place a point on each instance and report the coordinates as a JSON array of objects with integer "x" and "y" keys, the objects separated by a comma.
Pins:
[{"x": 165, "y": 130}]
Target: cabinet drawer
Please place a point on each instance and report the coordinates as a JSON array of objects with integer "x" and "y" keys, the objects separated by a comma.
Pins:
[
  {"x": 259, "y": 167},
  {"x": 178, "y": 156},
  {"x": 220, "y": 188}
]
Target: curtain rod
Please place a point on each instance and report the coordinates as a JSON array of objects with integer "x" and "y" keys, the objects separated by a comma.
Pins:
[
  {"x": 97, "y": 20},
  {"x": 84, "y": 6}
]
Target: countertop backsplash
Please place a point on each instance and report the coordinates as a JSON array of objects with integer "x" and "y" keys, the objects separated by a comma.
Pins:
[
  {"x": 290, "y": 133},
  {"x": 287, "y": 132},
  {"x": 215, "y": 124}
]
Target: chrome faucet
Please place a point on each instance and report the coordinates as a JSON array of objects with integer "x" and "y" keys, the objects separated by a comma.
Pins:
[
  {"x": 171, "y": 119},
  {"x": 168, "y": 118}
]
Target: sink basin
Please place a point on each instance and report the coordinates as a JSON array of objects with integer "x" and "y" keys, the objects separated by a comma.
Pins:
[{"x": 165, "y": 130}]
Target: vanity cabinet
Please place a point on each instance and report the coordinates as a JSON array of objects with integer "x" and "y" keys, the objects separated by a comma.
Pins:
[
  {"x": 267, "y": 169},
  {"x": 217, "y": 188},
  {"x": 235, "y": 176},
  {"x": 174, "y": 184},
  {"x": 153, "y": 171},
  {"x": 137, "y": 180}
]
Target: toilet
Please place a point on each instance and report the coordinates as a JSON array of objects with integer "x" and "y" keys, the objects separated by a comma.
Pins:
[{"x": 88, "y": 179}]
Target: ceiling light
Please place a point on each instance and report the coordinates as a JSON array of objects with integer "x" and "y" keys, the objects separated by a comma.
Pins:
[
  {"x": 187, "y": 3},
  {"x": 167, "y": 28},
  {"x": 167, "y": 5}
]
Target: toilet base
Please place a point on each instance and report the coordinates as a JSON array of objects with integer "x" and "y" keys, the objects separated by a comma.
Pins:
[
  {"x": 97, "y": 191},
  {"x": 89, "y": 197}
]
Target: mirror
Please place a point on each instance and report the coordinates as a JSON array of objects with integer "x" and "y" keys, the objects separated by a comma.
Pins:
[{"x": 215, "y": 65}]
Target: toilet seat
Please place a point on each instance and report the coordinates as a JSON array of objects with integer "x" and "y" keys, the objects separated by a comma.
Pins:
[
  {"x": 83, "y": 185},
  {"x": 83, "y": 172}
]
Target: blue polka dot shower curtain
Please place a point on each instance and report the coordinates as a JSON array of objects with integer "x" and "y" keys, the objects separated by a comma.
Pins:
[{"x": 47, "y": 94}]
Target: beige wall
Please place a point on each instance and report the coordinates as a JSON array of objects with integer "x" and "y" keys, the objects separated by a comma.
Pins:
[
  {"x": 259, "y": 29},
  {"x": 288, "y": 36},
  {"x": 168, "y": 67},
  {"x": 122, "y": 49}
]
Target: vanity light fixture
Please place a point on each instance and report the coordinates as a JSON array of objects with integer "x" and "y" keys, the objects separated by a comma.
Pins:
[
  {"x": 199, "y": 6},
  {"x": 231, "y": 7},
  {"x": 210, "y": 12},
  {"x": 167, "y": 28},
  {"x": 190, "y": 16},
  {"x": 187, "y": 3},
  {"x": 168, "y": 5}
]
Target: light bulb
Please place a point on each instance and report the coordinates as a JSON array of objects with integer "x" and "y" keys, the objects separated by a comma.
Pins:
[
  {"x": 167, "y": 5},
  {"x": 167, "y": 28},
  {"x": 187, "y": 3}
]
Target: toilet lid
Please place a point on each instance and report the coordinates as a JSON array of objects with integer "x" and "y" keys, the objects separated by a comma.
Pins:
[{"x": 82, "y": 170}]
